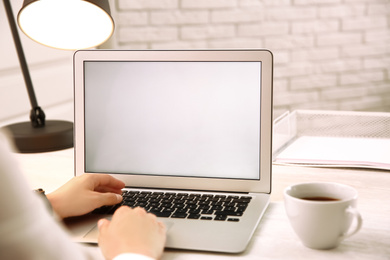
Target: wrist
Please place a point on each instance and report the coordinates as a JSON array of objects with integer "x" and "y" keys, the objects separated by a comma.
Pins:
[{"x": 52, "y": 199}]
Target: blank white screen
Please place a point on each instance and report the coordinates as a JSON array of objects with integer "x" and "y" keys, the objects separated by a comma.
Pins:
[{"x": 198, "y": 119}]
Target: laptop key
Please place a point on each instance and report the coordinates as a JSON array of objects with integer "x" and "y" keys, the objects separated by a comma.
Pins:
[
  {"x": 163, "y": 214},
  {"x": 220, "y": 217},
  {"x": 207, "y": 212},
  {"x": 193, "y": 216},
  {"x": 194, "y": 211},
  {"x": 179, "y": 215},
  {"x": 229, "y": 213},
  {"x": 181, "y": 210}
]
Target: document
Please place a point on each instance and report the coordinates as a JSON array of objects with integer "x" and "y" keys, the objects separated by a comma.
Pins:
[{"x": 337, "y": 152}]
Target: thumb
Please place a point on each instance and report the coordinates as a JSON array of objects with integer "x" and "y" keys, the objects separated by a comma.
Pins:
[
  {"x": 109, "y": 198},
  {"x": 103, "y": 224}
]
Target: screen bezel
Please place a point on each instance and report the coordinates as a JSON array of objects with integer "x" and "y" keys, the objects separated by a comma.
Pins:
[{"x": 172, "y": 182}]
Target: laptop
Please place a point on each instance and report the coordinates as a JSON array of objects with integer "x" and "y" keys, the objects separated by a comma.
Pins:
[{"x": 191, "y": 123}]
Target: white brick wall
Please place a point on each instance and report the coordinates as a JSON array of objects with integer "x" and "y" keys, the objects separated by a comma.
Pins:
[{"x": 329, "y": 54}]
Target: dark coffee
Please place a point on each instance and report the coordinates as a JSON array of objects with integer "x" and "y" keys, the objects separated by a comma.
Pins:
[{"x": 320, "y": 198}]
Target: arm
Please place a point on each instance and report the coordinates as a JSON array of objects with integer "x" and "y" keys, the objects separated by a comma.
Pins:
[{"x": 27, "y": 231}]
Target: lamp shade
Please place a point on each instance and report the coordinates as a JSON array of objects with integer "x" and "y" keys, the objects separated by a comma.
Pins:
[{"x": 67, "y": 24}]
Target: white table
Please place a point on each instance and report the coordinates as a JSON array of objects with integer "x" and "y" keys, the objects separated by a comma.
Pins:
[{"x": 274, "y": 238}]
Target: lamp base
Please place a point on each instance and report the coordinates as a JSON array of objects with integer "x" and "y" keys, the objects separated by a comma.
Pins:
[{"x": 55, "y": 135}]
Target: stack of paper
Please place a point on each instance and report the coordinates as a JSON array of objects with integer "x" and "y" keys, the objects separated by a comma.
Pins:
[{"x": 337, "y": 152}]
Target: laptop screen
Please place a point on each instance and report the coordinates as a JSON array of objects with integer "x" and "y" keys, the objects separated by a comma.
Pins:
[{"x": 173, "y": 118}]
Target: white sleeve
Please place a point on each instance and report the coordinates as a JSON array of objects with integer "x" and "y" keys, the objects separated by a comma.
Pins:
[
  {"x": 27, "y": 230},
  {"x": 131, "y": 256}
]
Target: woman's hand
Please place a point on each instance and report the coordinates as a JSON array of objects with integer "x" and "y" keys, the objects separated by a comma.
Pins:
[
  {"x": 132, "y": 231},
  {"x": 85, "y": 193}
]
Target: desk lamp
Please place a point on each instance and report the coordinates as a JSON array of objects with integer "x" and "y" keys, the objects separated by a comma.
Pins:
[{"x": 61, "y": 24}]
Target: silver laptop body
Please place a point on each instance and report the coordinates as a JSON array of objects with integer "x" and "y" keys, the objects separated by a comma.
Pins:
[{"x": 197, "y": 121}]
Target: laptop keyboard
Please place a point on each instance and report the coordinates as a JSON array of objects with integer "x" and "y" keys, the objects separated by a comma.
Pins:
[{"x": 184, "y": 205}]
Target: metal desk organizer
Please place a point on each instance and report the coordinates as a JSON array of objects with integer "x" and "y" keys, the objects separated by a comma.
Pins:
[{"x": 289, "y": 127}]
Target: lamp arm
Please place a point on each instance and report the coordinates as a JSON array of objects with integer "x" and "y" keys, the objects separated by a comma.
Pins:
[{"x": 37, "y": 116}]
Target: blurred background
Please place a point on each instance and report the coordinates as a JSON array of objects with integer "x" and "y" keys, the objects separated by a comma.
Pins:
[{"x": 328, "y": 54}]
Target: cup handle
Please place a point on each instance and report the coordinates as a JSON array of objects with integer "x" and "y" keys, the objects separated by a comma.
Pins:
[{"x": 359, "y": 222}]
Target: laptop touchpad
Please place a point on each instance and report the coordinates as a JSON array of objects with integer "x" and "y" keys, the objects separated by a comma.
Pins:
[{"x": 93, "y": 234}]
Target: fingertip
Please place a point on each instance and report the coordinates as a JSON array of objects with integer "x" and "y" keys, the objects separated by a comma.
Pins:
[
  {"x": 119, "y": 198},
  {"x": 121, "y": 209},
  {"x": 110, "y": 198},
  {"x": 102, "y": 222},
  {"x": 140, "y": 210}
]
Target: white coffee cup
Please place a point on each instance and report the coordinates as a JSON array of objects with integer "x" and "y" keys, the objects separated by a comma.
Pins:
[{"x": 322, "y": 223}]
